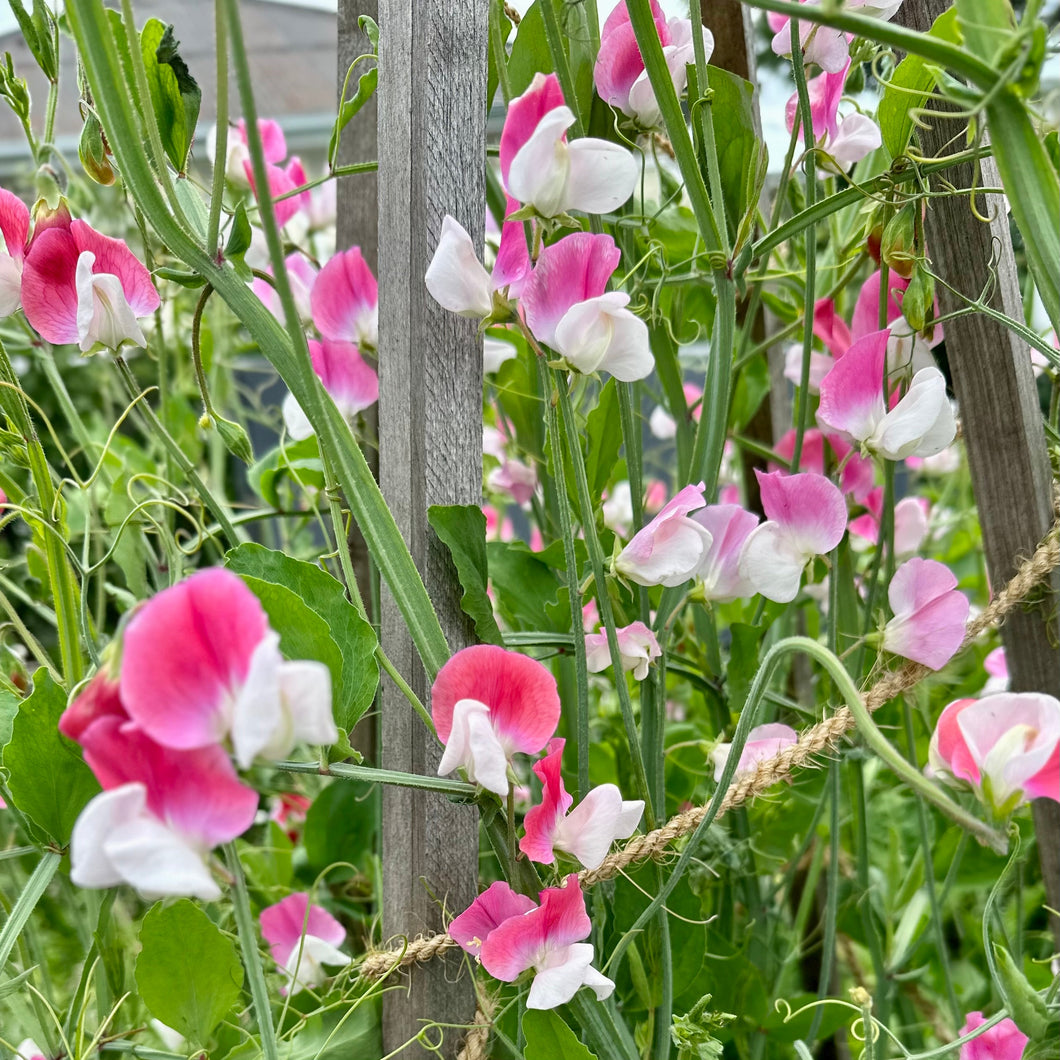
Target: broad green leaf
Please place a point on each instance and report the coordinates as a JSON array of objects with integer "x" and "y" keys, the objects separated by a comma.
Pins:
[
  {"x": 523, "y": 583},
  {"x": 530, "y": 54},
  {"x": 298, "y": 461},
  {"x": 341, "y": 824},
  {"x": 603, "y": 439},
  {"x": 175, "y": 94},
  {"x": 48, "y": 779},
  {"x": 549, "y": 1038},
  {"x": 743, "y": 662},
  {"x": 309, "y": 609},
  {"x": 188, "y": 972},
  {"x": 462, "y": 529}
]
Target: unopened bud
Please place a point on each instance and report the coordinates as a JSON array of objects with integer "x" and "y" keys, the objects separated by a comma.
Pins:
[
  {"x": 918, "y": 302},
  {"x": 898, "y": 245},
  {"x": 92, "y": 150}
]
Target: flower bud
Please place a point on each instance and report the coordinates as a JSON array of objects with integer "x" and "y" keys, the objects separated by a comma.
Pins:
[
  {"x": 919, "y": 299},
  {"x": 898, "y": 245}
]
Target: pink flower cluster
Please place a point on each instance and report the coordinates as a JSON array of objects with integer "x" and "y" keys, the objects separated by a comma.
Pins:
[{"x": 200, "y": 674}]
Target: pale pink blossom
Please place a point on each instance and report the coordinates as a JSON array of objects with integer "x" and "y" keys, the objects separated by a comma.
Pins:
[
  {"x": 488, "y": 703},
  {"x": 1003, "y": 1041},
  {"x": 670, "y": 549},
  {"x": 351, "y": 382},
  {"x": 345, "y": 300},
  {"x": 858, "y": 474},
  {"x": 590, "y": 616},
  {"x": 943, "y": 463},
  {"x": 1007, "y": 745},
  {"x": 826, "y": 47},
  {"x": 588, "y": 830},
  {"x": 637, "y": 648},
  {"x": 497, "y": 528},
  {"x": 729, "y": 526},
  {"x": 237, "y": 154},
  {"x": 301, "y": 274},
  {"x": 820, "y": 366},
  {"x": 515, "y": 478},
  {"x": 539, "y": 167},
  {"x": 29, "y": 1050},
  {"x": 655, "y": 496},
  {"x": 806, "y": 516},
  {"x": 763, "y": 741},
  {"x": 302, "y": 938},
  {"x": 617, "y": 508},
  {"x": 930, "y": 615},
  {"x": 662, "y": 424},
  {"x": 911, "y": 522},
  {"x": 996, "y": 667},
  {"x": 847, "y": 139}
]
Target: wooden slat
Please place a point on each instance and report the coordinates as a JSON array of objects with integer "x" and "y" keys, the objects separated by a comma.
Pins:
[{"x": 432, "y": 112}]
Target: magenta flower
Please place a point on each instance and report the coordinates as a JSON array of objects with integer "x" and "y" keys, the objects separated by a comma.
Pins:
[
  {"x": 281, "y": 179},
  {"x": 1007, "y": 745},
  {"x": 488, "y": 703},
  {"x": 238, "y": 152},
  {"x": 14, "y": 225},
  {"x": 539, "y": 167},
  {"x": 1003, "y": 1041},
  {"x": 352, "y": 383},
  {"x": 199, "y": 664},
  {"x": 671, "y": 548},
  {"x": 489, "y": 910},
  {"x": 906, "y": 350},
  {"x": 763, "y": 741},
  {"x": 302, "y": 938},
  {"x": 847, "y": 140},
  {"x": 806, "y": 516},
  {"x": 830, "y": 327},
  {"x": 637, "y": 647},
  {"x": 729, "y": 526},
  {"x": 345, "y": 300},
  {"x": 930, "y": 615},
  {"x": 84, "y": 287},
  {"x": 588, "y": 830}
]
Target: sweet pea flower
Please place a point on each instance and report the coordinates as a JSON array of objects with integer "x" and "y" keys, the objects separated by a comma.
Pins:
[
  {"x": 847, "y": 140},
  {"x": 29, "y": 1050},
  {"x": 729, "y": 526},
  {"x": 84, "y": 287},
  {"x": 826, "y": 47},
  {"x": 588, "y": 830},
  {"x": 1003, "y": 1041},
  {"x": 199, "y": 664},
  {"x": 487, "y": 703},
  {"x": 488, "y": 911},
  {"x": 637, "y": 647},
  {"x": 820, "y": 366},
  {"x": 302, "y": 938},
  {"x": 515, "y": 478},
  {"x": 858, "y": 474},
  {"x": 830, "y": 327},
  {"x": 906, "y": 349},
  {"x": 910, "y": 522},
  {"x": 806, "y": 516},
  {"x": 662, "y": 425},
  {"x": 14, "y": 226},
  {"x": 496, "y": 352},
  {"x": 281, "y": 179},
  {"x": 539, "y": 167},
  {"x": 996, "y": 667},
  {"x": 1007, "y": 745},
  {"x": 345, "y": 300},
  {"x": 289, "y": 811},
  {"x": 930, "y": 615},
  {"x": 352, "y": 383},
  {"x": 237, "y": 151},
  {"x": 670, "y": 549},
  {"x": 301, "y": 274},
  {"x": 547, "y": 939},
  {"x": 763, "y": 741},
  {"x": 617, "y": 508},
  {"x": 852, "y": 403}
]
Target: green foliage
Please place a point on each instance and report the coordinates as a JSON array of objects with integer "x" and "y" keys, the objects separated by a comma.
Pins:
[
  {"x": 175, "y": 94},
  {"x": 603, "y": 439},
  {"x": 341, "y": 824},
  {"x": 530, "y": 54},
  {"x": 349, "y": 108},
  {"x": 549, "y": 1038}
]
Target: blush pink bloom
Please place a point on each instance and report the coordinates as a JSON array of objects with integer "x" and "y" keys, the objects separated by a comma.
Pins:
[
  {"x": 302, "y": 939},
  {"x": 906, "y": 350},
  {"x": 515, "y": 478},
  {"x": 289, "y": 811},
  {"x": 1003, "y": 1041},
  {"x": 238, "y": 153},
  {"x": 79, "y": 286},
  {"x": 352, "y": 383},
  {"x": 806, "y": 516},
  {"x": 852, "y": 403},
  {"x": 199, "y": 664},
  {"x": 930, "y": 615},
  {"x": 345, "y": 300},
  {"x": 489, "y": 910},
  {"x": 826, "y": 47},
  {"x": 858, "y": 474},
  {"x": 637, "y": 647},
  {"x": 302, "y": 274},
  {"x": 910, "y": 522},
  {"x": 830, "y": 327},
  {"x": 548, "y": 940},
  {"x": 488, "y": 703},
  {"x": 282, "y": 181},
  {"x": 847, "y": 139},
  {"x": 763, "y": 741},
  {"x": 670, "y": 549},
  {"x": 996, "y": 667},
  {"x": 1007, "y": 745},
  {"x": 539, "y": 167},
  {"x": 617, "y": 508},
  {"x": 729, "y": 526},
  {"x": 588, "y": 830},
  {"x": 14, "y": 226}
]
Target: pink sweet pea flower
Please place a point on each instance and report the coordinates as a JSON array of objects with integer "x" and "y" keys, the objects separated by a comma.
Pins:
[
  {"x": 14, "y": 225},
  {"x": 821, "y": 45},
  {"x": 906, "y": 350},
  {"x": 489, "y": 910},
  {"x": 352, "y": 383},
  {"x": 345, "y": 300},
  {"x": 852, "y": 403},
  {"x": 289, "y": 811},
  {"x": 238, "y": 153},
  {"x": 1007, "y": 745},
  {"x": 729, "y": 526},
  {"x": 858, "y": 474},
  {"x": 617, "y": 508},
  {"x": 910, "y": 522},
  {"x": 282, "y": 181},
  {"x": 539, "y": 167},
  {"x": 302, "y": 274},
  {"x": 847, "y": 140},
  {"x": 487, "y": 703},
  {"x": 29, "y": 1050},
  {"x": 81, "y": 286},
  {"x": 515, "y": 478},
  {"x": 996, "y": 666},
  {"x": 830, "y": 327},
  {"x": 199, "y": 663},
  {"x": 588, "y": 831},
  {"x": 302, "y": 938},
  {"x": 930, "y": 615},
  {"x": 567, "y": 306},
  {"x": 637, "y": 647},
  {"x": 763, "y": 741},
  {"x": 547, "y": 939},
  {"x": 1003, "y": 1041},
  {"x": 590, "y": 616},
  {"x": 806, "y": 516},
  {"x": 671, "y": 548}
]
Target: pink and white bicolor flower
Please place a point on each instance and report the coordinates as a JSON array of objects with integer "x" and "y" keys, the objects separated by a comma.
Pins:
[
  {"x": 907, "y": 350},
  {"x": 301, "y": 274},
  {"x": 352, "y": 383},
  {"x": 637, "y": 647},
  {"x": 852, "y": 403},
  {"x": 911, "y": 522},
  {"x": 79, "y": 286},
  {"x": 729, "y": 526},
  {"x": 541, "y": 168},
  {"x": 200, "y": 663},
  {"x": 345, "y": 300},
  {"x": 930, "y": 615},
  {"x": 488, "y": 911},
  {"x": 488, "y": 703},
  {"x": 29, "y": 1050},
  {"x": 858, "y": 474},
  {"x": 826, "y": 47},
  {"x": 281, "y": 179},
  {"x": 672, "y": 547},
  {"x": 302, "y": 938},
  {"x": 1006, "y": 745},
  {"x": 806, "y": 516},
  {"x": 763, "y": 741},
  {"x": 237, "y": 153},
  {"x": 588, "y": 830},
  {"x": 14, "y": 226},
  {"x": 847, "y": 140},
  {"x": 1003, "y": 1041},
  {"x": 567, "y": 306}
]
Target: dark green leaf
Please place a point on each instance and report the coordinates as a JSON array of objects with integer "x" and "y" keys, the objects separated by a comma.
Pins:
[
  {"x": 603, "y": 439},
  {"x": 549, "y": 1038},
  {"x": 341, "y": 824},
  {"x": 523, "y": 583}
]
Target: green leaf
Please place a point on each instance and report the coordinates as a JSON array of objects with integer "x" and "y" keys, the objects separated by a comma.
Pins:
[
  {"x": 524, "y": 585},
  {"x": 48, "y": 779},
  {"x": 743, "y": 662},
  {"x": 175, "y": 94},
  {"x": 549, "y": 1038},
  {"x": 188, "y": 972},
  {"x": 37, "y": 33},
  {"x": 366, "y": 85},
  {"x": 530, "y": 54},
  {"x": 309, "y": 609},
  {"x": 299, "y": 461},
  {"x": 239, "y": 235},
  {"x": 9, "y": 704},
  {"x": 751, "y": 388},
  {"x": 341, "y": 824},
  {"x": 603, "y": 439},
  {"x": 462, "y": 529},
  {"x": 1026, "y": 1006}
]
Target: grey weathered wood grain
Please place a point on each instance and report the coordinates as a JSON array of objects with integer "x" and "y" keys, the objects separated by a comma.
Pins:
[
  {"x": 1002, "y": 421},
  {"x": 432, "y": 112}
]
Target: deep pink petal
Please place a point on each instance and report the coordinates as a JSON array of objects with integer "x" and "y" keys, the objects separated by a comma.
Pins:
[
  {"x": 185, "y": 652},
  {"x": 809, "y": 509},
  {"x": 524, "y": 113},
  {"x": 866, "y": 317},
  {"x": 49, "y": 293},
  {"x": 488, "y": 911},
  {"x": 272, "y": 138},
  {"x": 114, "y": 256},
  {"x": 100, "y": 698},
  {"x": 281, "y": 181},
  {"x": 344, "y": 296},
  {"x": 14, "y": 223},
  {"x": 541, "y": 820},
  {"x": 520, "y": 693},
  {"x": 1004, "y": 1041},
  {"x": 283, "y": 924},
  {"x": 852, "y": 392},
  {"x": 830, "y": 327},
  {"x": 347, "y": 377},
  {"x": 1045, "y": 784},
  {"x": 512, "y": 265},
  {"x": 949, "y": 749},
  {"x": 618, "y": 65}
]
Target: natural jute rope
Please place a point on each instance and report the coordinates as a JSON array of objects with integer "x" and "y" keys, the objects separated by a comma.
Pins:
[{"x": 812, "y": 741}]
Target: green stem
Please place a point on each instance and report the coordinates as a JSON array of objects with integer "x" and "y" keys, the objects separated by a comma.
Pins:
[
  {"x": 27, "y": 901},
  {"x": 382, "y": 776},
  {"x": 220, "y": 154},
  {"x": 554, "y": 37},
  {"x": 500, "y": 57}
]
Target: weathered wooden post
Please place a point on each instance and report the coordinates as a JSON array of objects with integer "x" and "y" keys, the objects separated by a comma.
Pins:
[{"x": 432, "y": 152}]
